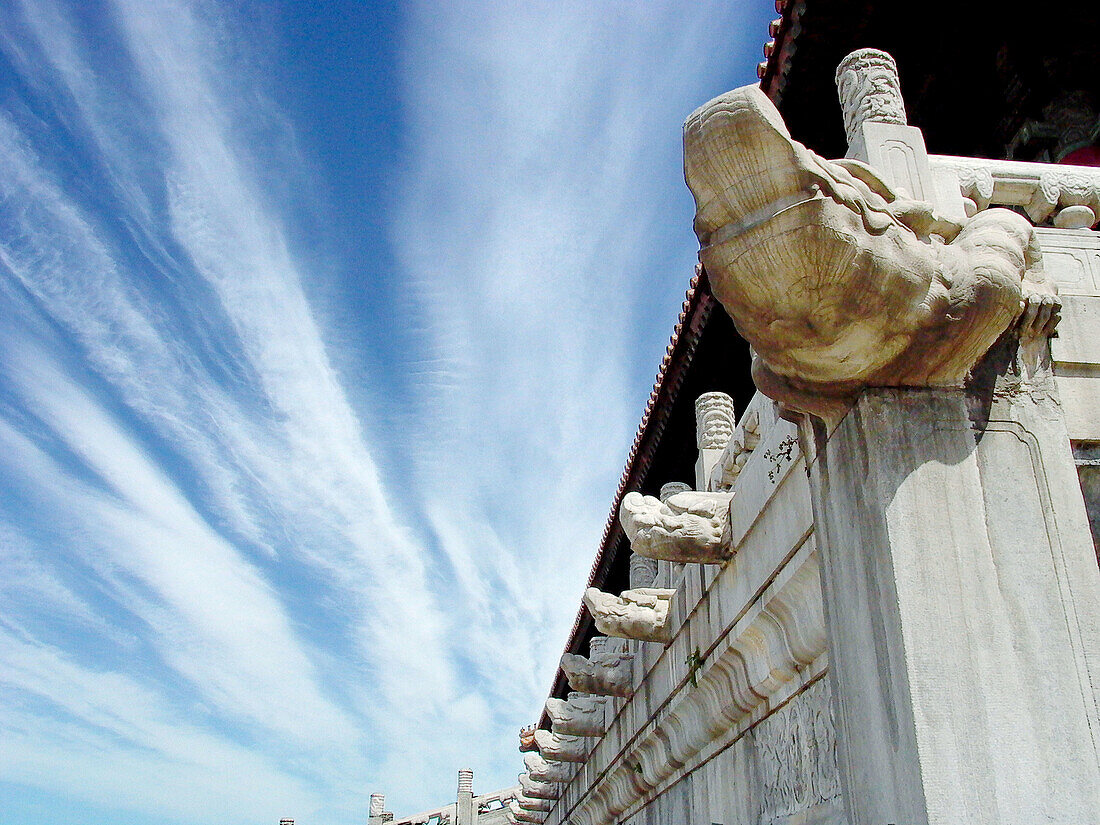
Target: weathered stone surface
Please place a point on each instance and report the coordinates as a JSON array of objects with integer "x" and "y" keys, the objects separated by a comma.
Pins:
[
  {"x": 867, "y": 80},
  {"x": 643, "y": 571},
  {"x": 582, "y": 714},
  {"x": 543, "y": 771},
  {"x": 715, "y": 420},
  {"x": 634, "y": 614},
  {"x": 529, "y": 803},
  {"x": 535, "y": 788},
  {"x": 736, "y": 454},
  {"x": 524, "y": 815},
  {"x": 796, "y": 755},
  {"x": 606, "y": 673},
  {"x": 687, "y": 527},
  {"x": 838, "y": 281},
  {"x": 765, "y": 653},
  {"x": 557, "y": 748},
  {"x": 964, "y": 612},
  {"x": 1067, "y": 195}
]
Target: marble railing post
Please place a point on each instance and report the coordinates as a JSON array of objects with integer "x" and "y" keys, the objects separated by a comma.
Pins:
[
  {"x": 879, "y": 134},
  {"x": 669, "y": 572},
  {"x": 715, "y": 421},
  {"x": 466, "y": 813},
  {"x": 377, "y": 809}
]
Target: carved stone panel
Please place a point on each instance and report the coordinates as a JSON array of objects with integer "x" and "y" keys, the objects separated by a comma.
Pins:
[
  {"x": 796, "y": 755},
  {"x": 1072, "y": 260}
]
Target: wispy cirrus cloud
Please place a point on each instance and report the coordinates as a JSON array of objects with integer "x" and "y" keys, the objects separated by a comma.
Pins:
[
  {"x": 227, "y": 553},
  {"x": 545, "y": 233}
]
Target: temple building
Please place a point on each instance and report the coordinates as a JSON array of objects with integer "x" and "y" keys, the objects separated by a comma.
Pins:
[{"x": 850, "y": 573}]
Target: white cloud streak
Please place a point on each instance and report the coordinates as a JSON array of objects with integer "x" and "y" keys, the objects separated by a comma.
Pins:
[
  {"x": 532, "y": 227},
  {"x": 543, "y": 221}
]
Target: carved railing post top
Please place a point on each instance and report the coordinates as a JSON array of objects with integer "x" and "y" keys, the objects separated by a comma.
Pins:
[
  {"x": 869, "y": 89},
  {"x": 715, "y": 419},
  {"x": 672, "y": 488},
  {"x": 465, "y": 781}
]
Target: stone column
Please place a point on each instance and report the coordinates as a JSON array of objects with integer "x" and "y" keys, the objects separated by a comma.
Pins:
[
  {"x": 466, "y": 811},
  {"x": 962, "y": 603}
]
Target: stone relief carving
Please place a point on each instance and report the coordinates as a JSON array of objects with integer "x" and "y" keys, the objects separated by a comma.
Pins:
[
  {"x": 542, "y": 771},
  {"x": 605, "y": 673},
  {"x": 672, "y": 488},
  {"x": 715, "y": 419},
  {"x": 869, "y": 88},
  {"x": 640, "y": 614},
  {"x": 837, "y": 281},
  {"x": 582, "y": 714},
  {"x": 687, "y": 527},
  {"x": 796, "y": 755},
  {"x": 736, "y": 454},
  {"x": 643, "y": 571},
  {"x": 536, "y": 789},
  {"x": 557, "y": 748},
  {"x": 524, "y": 815},
  {"x": 773, "y": 647},
  {"x": 534, "y": 803},
  {"x": 1068, "y": 194}
]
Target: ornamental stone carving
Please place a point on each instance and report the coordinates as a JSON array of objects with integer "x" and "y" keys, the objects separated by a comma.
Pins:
[
  {"x": 535, "y": 788},
  {"x": 1068, "y": 196},
  {"x": 529, "y": 803},
  {"x": 557, "y": 748},
  {"x": 524, "y": 815},
  {"x": 774, "y": 644},
  {"x": 672, "y": 488},
  {"x": 640, "y": 614},
  {"x": 582, "y": 714},
  {"x": 715, "y": 419},
  {"x": 837, "y": 281},
  {"x": 605, "y": 673},
  {"x": 796, "y": 755},
  {"x": 869, "y": 88},
  {"x": 543, "y": 771},
  {"x": 686, "y": 527},
  {"x": 736, "y": 454},
  {"x": 377, "y": 804},
  {"x": 643, "y": 571}
]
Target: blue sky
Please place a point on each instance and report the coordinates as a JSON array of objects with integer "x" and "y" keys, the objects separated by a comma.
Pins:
[{"x": 324, "y": 332}]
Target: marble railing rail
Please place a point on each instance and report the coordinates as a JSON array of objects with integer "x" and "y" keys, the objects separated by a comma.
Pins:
[
  {"x": 746, "y": 637},
  {"x": 446, "y": 813},
  {"x": 1067, "y": 195}
]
